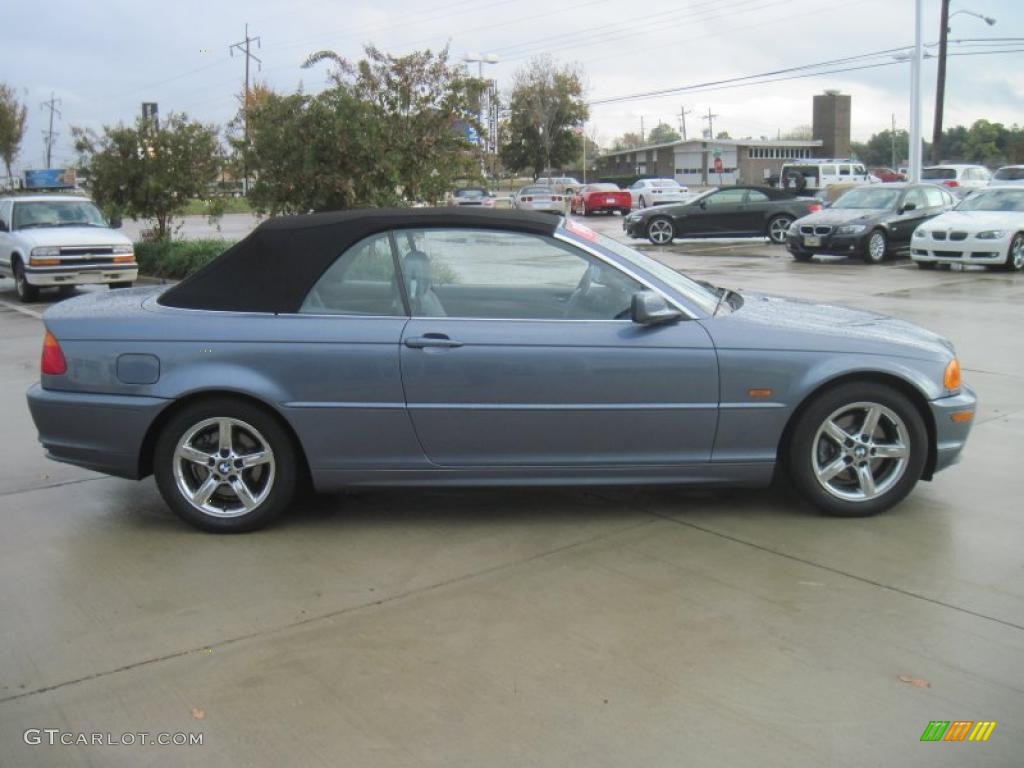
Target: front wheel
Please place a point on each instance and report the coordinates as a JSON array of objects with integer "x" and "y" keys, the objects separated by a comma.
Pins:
[
  {"x": 661, "y": 230},
  {"x": 877, "y": 247},
  {"x": 225, "y": 466},
  {"x": 1015, "y": 255},
  {"x": 777, "y": 229},
  {"x": 26, "y": 293},
  {"x": 857, "y": 449}
]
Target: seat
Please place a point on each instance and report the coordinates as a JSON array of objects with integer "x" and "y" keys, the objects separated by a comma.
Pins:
[{"x": 419, "y": 285}]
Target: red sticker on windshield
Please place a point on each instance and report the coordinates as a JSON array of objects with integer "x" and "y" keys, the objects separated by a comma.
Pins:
[{"x": 578, "y": 229}]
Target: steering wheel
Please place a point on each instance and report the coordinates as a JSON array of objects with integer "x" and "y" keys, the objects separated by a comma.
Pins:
[{"x": 586, "y": 280}]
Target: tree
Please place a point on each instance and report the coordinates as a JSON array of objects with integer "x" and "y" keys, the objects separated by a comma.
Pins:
[
  {"x": 388, "y": 131},
  {"x": 723, "y": 135},
  {"x": 877, "y": 151},
  {"x": 144, "y": 172},
  {"x": 12, "y": 125},
  {"x": 627, "y": 141},
  {"x": 545, "y": 105},
  {"x": 798, "y": 133},
  {"x": 663, "y": 133}
]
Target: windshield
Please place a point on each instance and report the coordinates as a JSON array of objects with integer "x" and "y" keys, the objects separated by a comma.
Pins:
[
  {"x": 1014, "y": 173},
  {"x": 695, "y": 292},
  {"x": 535, "y": 191},
  {"x": 1010, "y": 200},
  {"x": 56, "y": 213},
  {"x": 931, "y": 174},
  {"x": 603, "y": 188},
  {"x": 664, "y": 183},
  {"x": 867, "y": 198}
]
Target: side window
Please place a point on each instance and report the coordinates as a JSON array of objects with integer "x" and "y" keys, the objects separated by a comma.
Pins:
[
  {"x": 936, "y": 197},
  {"x": 860, "y": 170},
  {"x": 360, "y": 282},
  {"x": 726, "y": 197},
  {"x": 828, "y": 170},
  {"x": 915, "y": 196},
  {"x": 5, "y": 213},
  {"x": 476, "y": 273},
  {"x": 844, "y": 170},
  {"x": 754, "y": 196}
]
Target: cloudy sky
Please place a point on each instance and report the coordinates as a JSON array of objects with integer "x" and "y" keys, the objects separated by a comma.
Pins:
[{"x": 103, "y": 58}]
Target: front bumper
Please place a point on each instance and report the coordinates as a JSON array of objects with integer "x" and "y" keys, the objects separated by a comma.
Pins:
[
  {"x": 950, "y": 436},
  {"x": 99, "y": 432},
  {"x": 92, "y": 274},
  {"x": 968, "y": 251},
  {"x": 837, "y": 245}
]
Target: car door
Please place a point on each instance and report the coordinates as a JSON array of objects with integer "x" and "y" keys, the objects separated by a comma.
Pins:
[
  {"x": 721, "y": 213},
  {"x": 904, "y": 223},
  {"x": 520, "y": 353},
  {"x": 756, "y": 207}
]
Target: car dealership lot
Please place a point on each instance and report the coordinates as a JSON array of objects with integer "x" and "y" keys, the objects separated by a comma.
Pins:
[{"x": 535, "y": 627}]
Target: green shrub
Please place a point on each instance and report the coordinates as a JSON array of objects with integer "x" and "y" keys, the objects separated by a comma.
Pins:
[{"x": 176, "y": 259}]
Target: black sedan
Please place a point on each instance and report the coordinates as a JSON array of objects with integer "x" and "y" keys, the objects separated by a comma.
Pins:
[
  {"x": 869, "y": 222},
  {"x": 726, "y": 212}
]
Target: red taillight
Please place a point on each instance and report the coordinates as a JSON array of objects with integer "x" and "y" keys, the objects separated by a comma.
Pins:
[
  {"x": 814, "y": 207},
  {"x": 52, "y": 362},
  {"x": 951, "y": 183},
  {"x": 527, "y": 199}
]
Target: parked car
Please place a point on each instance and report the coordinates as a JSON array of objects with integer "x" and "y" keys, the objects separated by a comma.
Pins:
[
  {"x": 207, "y": 384},
  {"x": 810, "y": 175},
  {"x": 1008, "y": 175},
  {"x": 597, "y": 198},
  {"x": 871, "y": 222},
  {"x": 958, "y": 177},
  {"x": 647, "y": 192},
  {"x": 722, "y": 212},
  {"x": 887, "y": 175},
  {"x": 987, "y": 228},
  {"x": 537, "y": 197},
  {"x": 564, "y": 185},
  {"x": 61, "y": 241},
  {"x": 471, "y": 196}
]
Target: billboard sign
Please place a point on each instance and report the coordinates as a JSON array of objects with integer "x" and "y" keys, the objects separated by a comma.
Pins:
[{"x": 50, "y": 178}]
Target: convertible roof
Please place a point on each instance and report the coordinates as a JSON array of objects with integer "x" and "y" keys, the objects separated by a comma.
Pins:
[{"x": 273, "y": 268}]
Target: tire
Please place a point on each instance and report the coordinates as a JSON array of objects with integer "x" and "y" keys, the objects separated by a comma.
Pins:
[
  {"x": 876, "y": 248},
  {"x": 794, "y": 180},
  {"x": 26, "y": 293},
  {"x": 1015, "y": 254},
  {"x": 66, "y": 290},
  {"x": 777, "y": 228},
  {"x": 585, "y": 211},
  {"x": 252, "y": 432},
  {"x": 642, "y": 203},
  {"x": 125, "y": 284},
  {"x": 660, "y": 230},
  {"x": 839, "y": 414},
  {"x": 926, "y": 264}
]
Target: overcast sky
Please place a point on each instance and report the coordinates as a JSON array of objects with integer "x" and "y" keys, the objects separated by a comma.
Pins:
[{"x": 103, "y": 58}]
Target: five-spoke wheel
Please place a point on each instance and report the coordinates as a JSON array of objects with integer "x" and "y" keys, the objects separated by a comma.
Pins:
[
  {"x": 660, "y": 230},
  {"x": 777, "y": 229}
]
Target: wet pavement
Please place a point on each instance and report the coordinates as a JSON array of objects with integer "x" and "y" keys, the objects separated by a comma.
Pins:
[{"x": 619, "y": 627}]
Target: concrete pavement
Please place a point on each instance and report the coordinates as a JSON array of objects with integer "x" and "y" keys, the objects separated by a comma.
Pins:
[{"x": 534, "y": 627}]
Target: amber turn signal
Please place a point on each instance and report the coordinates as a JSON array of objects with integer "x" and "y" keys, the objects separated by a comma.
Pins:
[
  {"x": 951, "y": 379},
  {"x": 37, "y": 262},
  {"x": 759, "y": 392},
  {"x": 960, "y": 417},
  {"x": 129, "y": 259}
]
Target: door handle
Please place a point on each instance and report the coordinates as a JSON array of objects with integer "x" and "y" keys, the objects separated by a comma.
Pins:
[{"x": 433, "y": 340}]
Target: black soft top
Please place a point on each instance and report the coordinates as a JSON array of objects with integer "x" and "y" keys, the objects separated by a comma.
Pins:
[{"x": 274, "y": 267}]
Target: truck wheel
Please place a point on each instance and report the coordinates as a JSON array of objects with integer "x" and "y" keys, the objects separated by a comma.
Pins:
[{"x": 26, "y": 293}]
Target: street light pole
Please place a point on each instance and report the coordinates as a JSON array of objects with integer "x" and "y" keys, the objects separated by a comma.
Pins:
[
  {"x": 915, "y": 99},
  {"x": 480, "y": 60}
]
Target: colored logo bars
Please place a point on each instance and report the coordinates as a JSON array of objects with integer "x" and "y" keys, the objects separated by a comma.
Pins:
[{"x": 958, "y": 730}]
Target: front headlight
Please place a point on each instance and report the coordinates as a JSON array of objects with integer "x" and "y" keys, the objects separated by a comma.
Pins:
[
  {"x": 850, "y": 229},
  {"x": 124, "y": 249},
  {"x": 991, "y": 234},
  {"x": 47, "y": 251},
  {"x": 920, "y": 233}
]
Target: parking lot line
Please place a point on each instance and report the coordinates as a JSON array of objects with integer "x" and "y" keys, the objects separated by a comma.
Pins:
[{"x": 23, "y": 310}]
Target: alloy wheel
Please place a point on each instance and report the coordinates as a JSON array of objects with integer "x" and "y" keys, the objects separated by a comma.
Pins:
[
  {"x": 1016, "y": 258},
  {"x": 660, "y": 231},
  {"x": 860, "y": 452},
  {"x": 777, "y": 229},
  {"x": 224, "y": 467},
  {"x": 876, "y": 247}
]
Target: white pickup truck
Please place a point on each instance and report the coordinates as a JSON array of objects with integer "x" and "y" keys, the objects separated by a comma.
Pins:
[{"x": 61, "y": 240}]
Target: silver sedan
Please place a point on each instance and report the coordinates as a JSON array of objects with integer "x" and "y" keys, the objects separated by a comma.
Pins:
[{"x": 539, "y": 198}]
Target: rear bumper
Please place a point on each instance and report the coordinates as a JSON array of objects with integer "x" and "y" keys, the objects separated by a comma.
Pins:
[
  {"x": 99, "y": 432},
  {"x": 950, "y": 436},
  {"x": 65, "y": 275}
]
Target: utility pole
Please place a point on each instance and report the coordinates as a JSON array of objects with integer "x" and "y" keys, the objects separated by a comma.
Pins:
[
  {"x": 49, "y": 135},
  {"x": 711, "y": 124},
  {"x": 940, "y": 83},
  {"x": 244, "y": 47},
  {"x": 641, "y": 129},
  {"x": 683, "y": 112}
]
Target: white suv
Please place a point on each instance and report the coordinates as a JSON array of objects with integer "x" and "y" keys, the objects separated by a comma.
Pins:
[
  {"x": 960, "y": 178},
  {"x": 61, "y": 240},
  {"x": 813, "y": 175}
]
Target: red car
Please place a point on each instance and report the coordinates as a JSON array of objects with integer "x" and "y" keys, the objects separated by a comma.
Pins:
[
  {"x": 887, "y": 174},
  {"x": 591, "y": 198}
]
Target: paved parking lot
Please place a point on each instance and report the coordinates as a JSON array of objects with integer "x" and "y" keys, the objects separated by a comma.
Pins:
[{"x": 614, "y": 627}]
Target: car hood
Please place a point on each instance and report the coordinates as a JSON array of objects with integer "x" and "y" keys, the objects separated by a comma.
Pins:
[
  {"x": 787, "y": 323},
  {"x": 68, "y": 236},
  {"x": 833, "y": 217},
  {"x": 976, "y": 221}
]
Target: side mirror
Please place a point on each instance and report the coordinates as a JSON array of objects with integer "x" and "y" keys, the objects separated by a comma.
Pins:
[
  {"x": 115, "y": 222},
  {"x": 650, "y": 308},
  {"x": 908, "y": 207},
  {"x": 704, "y": 205}
]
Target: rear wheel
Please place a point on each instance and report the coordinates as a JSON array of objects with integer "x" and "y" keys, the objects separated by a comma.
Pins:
[
  {"x": 661, "y": 230},
  {"x": 777, "y": 229},
  {"x": 857, "y": 449},
  {"x": 225, "y": 466},
  {"x": 1015, "y": 255},
  {"x": 26, "y": 293},
  {"x": 877, "y": 247}
]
